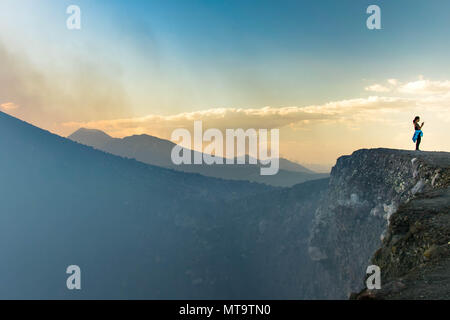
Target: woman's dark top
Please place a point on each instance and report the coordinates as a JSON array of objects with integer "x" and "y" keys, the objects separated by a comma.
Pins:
[{"x": 416, "y": 126}]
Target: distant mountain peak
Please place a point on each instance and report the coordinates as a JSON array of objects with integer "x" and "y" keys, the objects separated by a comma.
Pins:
[
  {"x": 91, "y": 137},
  {"x": 83, "y": 131}
]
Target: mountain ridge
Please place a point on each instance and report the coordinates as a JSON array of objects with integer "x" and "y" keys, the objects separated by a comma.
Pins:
[
  {"x": 156, "y": 151},
  {"x": 77, "y": 136}
]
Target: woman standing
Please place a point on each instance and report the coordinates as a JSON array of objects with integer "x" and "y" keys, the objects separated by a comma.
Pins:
[{"x": 418, "y": 134}]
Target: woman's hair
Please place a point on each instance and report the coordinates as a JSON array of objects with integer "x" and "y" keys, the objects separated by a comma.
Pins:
[{"x": 415, "y": 119}]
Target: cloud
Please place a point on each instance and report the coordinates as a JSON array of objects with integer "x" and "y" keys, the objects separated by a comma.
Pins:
[
  {"x": 382, "y": 88},
  {"x": 425, "y": 86},
  {"x": 377, "y": 88},
  {"x": 8, "y": 106},
  {"x": 421, "y": 86},
  {"x": 393, "y": 82},
  {"x": 266, "y": 117}
]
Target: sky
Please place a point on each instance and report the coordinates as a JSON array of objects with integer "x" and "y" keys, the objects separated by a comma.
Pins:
[{"x": 309, "y": 68}]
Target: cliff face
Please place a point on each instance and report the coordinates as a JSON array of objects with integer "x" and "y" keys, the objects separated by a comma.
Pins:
[
  {"x": 415, "y": 255},
  {"x": 366, "y": 191}
]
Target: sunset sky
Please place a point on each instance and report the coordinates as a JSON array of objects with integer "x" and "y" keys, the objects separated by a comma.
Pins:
[{"x": 310, "y": 68}]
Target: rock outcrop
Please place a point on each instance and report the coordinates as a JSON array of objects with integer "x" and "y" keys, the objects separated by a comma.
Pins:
[{"x": 372, "y": 201}]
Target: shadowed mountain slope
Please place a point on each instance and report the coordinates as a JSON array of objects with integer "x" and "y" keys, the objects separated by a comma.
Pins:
[{"x": 135, "y": 230}]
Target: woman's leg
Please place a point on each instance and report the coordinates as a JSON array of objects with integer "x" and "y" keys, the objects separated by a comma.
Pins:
[{"x": 419, "y": 138}]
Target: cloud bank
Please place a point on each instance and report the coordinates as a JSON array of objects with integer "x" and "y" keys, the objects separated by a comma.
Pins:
[{"x": 266, "y": 117}]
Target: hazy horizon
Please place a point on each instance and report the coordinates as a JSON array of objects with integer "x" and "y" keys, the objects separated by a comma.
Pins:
[{"x": 319, "y": 168}]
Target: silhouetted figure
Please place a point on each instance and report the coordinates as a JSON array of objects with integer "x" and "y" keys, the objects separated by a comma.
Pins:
[{"x": 418, "y": 134}]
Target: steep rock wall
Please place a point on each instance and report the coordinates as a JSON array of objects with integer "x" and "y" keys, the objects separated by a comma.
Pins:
[{"x": 365, "y": 190}]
